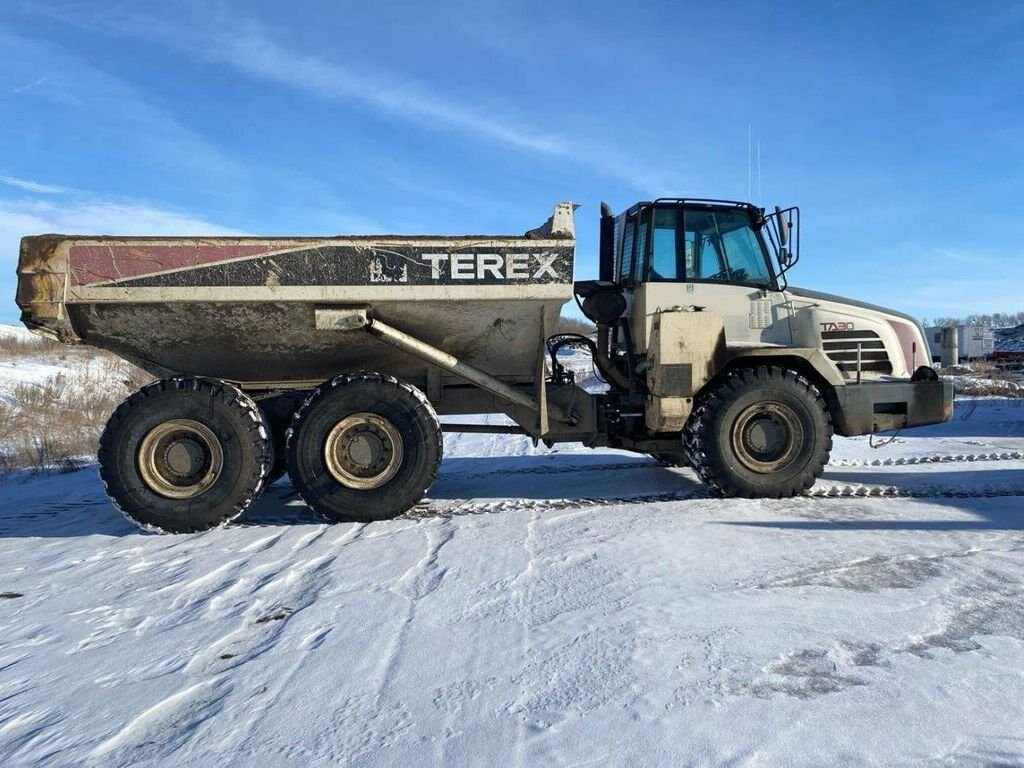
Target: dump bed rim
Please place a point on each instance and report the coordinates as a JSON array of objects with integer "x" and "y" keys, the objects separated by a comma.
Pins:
[{"x": 293, "y": 238}]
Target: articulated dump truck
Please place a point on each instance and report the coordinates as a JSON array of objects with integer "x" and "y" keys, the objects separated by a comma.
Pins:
[{"x": 331, "y": 358}]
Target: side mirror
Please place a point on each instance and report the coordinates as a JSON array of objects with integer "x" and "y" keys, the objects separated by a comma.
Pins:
[{"x": 782, "y": 224}]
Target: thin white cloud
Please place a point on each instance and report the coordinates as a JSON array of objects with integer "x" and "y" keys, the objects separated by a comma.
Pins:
[
  {"x": 98, "y": 217},
  {"x": 33, "y": 186},
  {"x": 143, "y": 134},
  {"x": 19, "y": 218},
  {"x": 113, "y": 109},
  {"x": 258, "y": 56},
  {"x": 243, "y": 45},
  {"x": 964, "y": 257},
  {"x": 248, "y": 49},
  {"x": 29, "y": 85},
  {"x": 957, "y": 296}
]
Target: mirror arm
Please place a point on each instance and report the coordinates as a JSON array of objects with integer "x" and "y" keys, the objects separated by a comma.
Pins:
[{"x": 783, "y": 226}]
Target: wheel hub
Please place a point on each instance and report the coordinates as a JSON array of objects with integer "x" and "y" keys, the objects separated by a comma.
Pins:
[
  {"x": 767, "y": 436},
  {"x": 180, "y": 459},
  {"x": 363, "y": 451}
]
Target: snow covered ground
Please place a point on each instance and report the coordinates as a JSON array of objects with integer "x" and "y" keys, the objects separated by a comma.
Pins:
[{"x": 565, "y": 607}]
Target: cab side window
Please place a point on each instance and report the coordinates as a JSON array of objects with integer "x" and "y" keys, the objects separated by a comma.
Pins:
[
  {"x": 703, "y": 245},
  {"x": 746, "y": 260},
  {"x": 664, "y": 246},
  {"x": 635, "y": 253},
  {"x": 626, "y": 258}
]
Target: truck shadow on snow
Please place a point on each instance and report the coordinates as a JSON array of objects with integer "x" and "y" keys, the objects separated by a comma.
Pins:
[
  {"x": 993, "y": 500},
  {"x": 485, "y": 485},
  {"x": 75, "y": 505}
]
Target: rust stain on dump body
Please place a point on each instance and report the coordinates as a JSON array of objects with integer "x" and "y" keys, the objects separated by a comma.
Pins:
[
  {"x": 42, "y": 273},
  {"x": 93, "y": 263}
]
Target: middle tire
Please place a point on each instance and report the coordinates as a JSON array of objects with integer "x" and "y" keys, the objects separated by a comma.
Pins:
[{"x": 364, "y": 447}]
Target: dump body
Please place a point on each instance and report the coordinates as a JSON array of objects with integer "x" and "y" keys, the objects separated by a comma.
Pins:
[{"x": 245, "y": 309}]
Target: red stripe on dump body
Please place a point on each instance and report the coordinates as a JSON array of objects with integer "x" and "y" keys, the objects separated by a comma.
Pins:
[{"x": 102, "y": 263}]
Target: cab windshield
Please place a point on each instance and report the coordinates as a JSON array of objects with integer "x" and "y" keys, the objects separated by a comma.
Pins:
[{"x": 690, "y": 245}]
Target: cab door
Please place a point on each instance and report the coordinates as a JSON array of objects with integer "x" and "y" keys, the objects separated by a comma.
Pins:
[{"x": 711, "y": 257}]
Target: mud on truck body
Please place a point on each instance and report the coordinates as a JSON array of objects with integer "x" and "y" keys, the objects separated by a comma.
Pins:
[{"x": 331, "y": 358}]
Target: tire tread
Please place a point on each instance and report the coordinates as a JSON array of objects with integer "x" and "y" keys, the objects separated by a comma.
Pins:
[
  {"x": 257, "y": 430},
  {"x": 717, "y": 478}
]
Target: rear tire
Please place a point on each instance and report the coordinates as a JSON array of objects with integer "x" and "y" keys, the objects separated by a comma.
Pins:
[
  {"x": 184, "y": 455},
  {"x": 763, "y": 432},
  {"x": 364, "y": 447}
]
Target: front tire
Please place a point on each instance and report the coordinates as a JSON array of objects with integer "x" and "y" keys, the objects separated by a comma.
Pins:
[
  {"x": 763, "y": 432},
  {"x": 364, "y": 448},
  {"x": 184, "y": 455}
]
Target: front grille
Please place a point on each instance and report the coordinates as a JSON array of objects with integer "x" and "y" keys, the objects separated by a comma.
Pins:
[{"x": 841, "y": 348}]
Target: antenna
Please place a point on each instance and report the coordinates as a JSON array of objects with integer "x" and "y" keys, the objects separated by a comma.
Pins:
[
  {"x": 759, "y": 171},
  {"x": 749, "y": 159}
]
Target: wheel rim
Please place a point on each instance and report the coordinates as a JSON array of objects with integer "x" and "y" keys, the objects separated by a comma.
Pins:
[
  {"x": 363, "y": 451},
  {"x": 180, "y": 459},
  {"x": 767, "y": 437}
]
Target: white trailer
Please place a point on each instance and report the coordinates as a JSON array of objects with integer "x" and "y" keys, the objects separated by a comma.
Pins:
[{"x": 975, "y": 342}]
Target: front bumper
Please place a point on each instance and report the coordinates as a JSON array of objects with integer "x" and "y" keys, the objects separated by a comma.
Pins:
[{"x": 861, "y": 409}]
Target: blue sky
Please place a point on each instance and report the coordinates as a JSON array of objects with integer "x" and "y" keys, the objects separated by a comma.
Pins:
[{"x": 897, "y": 127}]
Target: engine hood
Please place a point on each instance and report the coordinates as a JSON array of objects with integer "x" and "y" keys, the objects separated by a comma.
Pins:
[
  {"x": 807, "y": 293},
  {"x": 891, "y": 343}
]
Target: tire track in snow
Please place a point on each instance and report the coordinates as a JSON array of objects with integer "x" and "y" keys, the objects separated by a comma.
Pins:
[
  {"x": 421, "y": 579},
  {"x": 246, "y": 737},
  {"x": 370, "y": 721},
  {"x": 861, "y": 490},
  {"x": 822, "y": 491},
  {"x": 471, "y": 507},
  {"x": 627, "y": 464},
  {"x": 943, "y": 458},
  {"x": 525, "y": 592}
]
